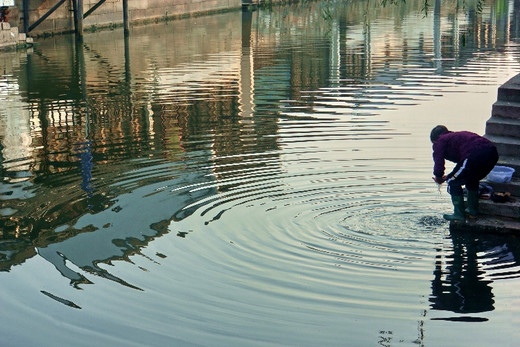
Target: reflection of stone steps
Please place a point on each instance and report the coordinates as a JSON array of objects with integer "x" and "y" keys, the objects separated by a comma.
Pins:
[{"x": 503, "y": 128}]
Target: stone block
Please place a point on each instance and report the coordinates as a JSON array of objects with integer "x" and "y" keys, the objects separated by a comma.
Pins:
[
  {"x": 21, "y": 37},
  {"x": 505, "y": 209},
  {"x": 504, "y": 126},
  {"x": 509, "y": 109},
  {"x": 506, "y": 146},
  {"x": 512, "y": 187},
  {"x": 5, "y": 36},
  {"x": 111, "y": 12}
]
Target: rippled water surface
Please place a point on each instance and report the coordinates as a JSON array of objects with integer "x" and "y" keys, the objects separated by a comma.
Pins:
[{"x": 253, "y": 178}]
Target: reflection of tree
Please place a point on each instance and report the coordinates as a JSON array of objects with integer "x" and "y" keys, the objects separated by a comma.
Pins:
[
  {"x": 128, "y": 130},
  {"x": 134, "y": 114},
  {"x": 463, "y": 286}
]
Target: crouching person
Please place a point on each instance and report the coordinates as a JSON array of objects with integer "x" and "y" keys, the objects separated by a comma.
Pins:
[{"x": 474, "y": 155}]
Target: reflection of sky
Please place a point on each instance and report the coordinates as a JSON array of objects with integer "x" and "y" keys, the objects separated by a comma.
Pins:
[
  {"x": 131, "y": 214},
  {"x": 117, "y": 228}
]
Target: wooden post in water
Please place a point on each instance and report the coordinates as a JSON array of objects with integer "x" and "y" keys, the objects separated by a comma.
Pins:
[
  {"x": 125, "y": 17},
  {"x": 25, "y": 10},
  {"x": 77, "y": 6}
]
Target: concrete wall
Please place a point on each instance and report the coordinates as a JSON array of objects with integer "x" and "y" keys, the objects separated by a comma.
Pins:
[
  {"x": 111, "y": 12},
  {"x": 10, "y": 37}
]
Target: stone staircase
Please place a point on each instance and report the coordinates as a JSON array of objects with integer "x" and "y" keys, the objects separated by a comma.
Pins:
[
  {"x": 503, "y": 128},
  {"x": 10, "y": 37}
]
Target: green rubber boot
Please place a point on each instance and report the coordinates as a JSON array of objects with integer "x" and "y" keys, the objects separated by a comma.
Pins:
[
  {"x": 472, "y": 209},
  {"x": 458, "y": 208}
]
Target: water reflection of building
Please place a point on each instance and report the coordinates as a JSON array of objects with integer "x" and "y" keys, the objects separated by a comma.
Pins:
[
  {"x": 94, "y": 106},
  {"x": 214, "y": 97},
  {"x": 15, "y": 132}
]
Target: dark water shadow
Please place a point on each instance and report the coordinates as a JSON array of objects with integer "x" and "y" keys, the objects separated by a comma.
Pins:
[{"x": 463, "y": 277}]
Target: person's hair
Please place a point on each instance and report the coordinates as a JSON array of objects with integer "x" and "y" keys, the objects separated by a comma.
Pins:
[{"x": 438, "y": 131}]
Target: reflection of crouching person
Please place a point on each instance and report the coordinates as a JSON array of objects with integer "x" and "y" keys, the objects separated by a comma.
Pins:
[{"x": 475, "y": 157}]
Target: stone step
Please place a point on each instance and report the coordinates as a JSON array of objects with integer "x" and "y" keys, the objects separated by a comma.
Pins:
[
  {"x": 512, "y": 187},
  {"x": 502, "y": 209},
  {"x": 503, "y": 126},
  {"x": 506, "y": 146},
  {"x": 506, "y": 109},
  {"x": 488, "y": 224},
  {"x": 510, "y": 91}
]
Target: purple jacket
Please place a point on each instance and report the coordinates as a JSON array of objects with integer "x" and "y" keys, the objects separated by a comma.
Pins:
[{"x": 455, "y": 147}]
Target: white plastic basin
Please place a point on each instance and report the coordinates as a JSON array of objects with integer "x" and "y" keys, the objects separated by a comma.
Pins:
[{"x": 500, "y": 174}]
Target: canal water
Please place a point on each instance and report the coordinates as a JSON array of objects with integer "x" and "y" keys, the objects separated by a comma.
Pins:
[{"x": 253, "y": 179}]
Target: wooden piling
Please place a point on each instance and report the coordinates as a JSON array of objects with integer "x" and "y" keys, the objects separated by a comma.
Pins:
[
  {"x": 125, "y": 17},
  {"x": 78, "y": 18},
  {"x": 25, "y": 9}
]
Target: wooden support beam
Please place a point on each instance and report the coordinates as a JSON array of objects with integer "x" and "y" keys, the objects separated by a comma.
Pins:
[
  {"x": 42, "y": 18},
  {"x": 74, "y": 13},
  {"x": 78, "y": 15},
  {"x": 125, "y": 17},
  {"x": 93, "y": 8},
  {"x": 25, "y": 9}
]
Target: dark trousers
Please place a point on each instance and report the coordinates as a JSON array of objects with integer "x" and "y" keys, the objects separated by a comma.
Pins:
[{"x": 474, "y": 168}]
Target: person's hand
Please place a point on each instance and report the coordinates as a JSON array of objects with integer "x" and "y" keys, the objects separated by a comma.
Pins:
[{"x": 441, "y": 181}]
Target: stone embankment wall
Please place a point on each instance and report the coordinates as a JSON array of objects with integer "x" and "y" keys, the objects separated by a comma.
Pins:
[
  {"x": 110, "y": 13},
  {"x": 9, "y": 36}
]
